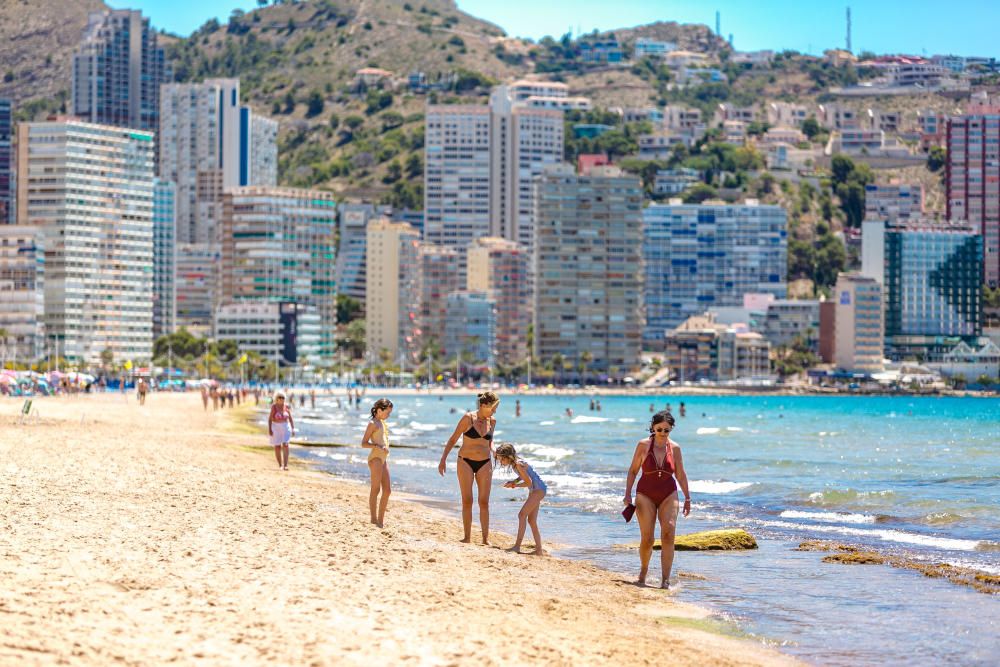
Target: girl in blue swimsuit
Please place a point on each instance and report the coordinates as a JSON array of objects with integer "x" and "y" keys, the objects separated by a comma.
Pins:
[{"x": 507, "y": 458}]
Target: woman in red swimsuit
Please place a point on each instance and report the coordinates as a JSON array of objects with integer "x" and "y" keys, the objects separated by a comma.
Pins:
[{"x": 659, "y": 458}]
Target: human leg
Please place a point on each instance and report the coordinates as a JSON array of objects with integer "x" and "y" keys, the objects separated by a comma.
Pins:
[
  {"x": 375, "y": 467},
  {"x": 667, "y": 515},
  {"x": 645, "y": 513},
  {"x": 465, "y": 478},
  {"x": 484, "y": 482},
  {"x": 532, "y": 505},
  {"x": 386, "y": 490}
]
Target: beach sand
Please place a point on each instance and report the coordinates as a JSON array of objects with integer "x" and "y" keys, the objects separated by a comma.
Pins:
[{"x": 152, "y": 535}]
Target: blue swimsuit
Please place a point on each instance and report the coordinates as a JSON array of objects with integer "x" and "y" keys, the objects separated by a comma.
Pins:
[{"x": 536, "y": 482}]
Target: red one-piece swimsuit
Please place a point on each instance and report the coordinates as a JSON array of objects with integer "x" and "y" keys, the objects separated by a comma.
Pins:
[{"x": 657, "y": 483}]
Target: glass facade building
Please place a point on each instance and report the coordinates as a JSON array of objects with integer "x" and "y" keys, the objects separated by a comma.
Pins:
[
  {"x": 164, "y": 258},
  {"x": 700, "y": 256}
]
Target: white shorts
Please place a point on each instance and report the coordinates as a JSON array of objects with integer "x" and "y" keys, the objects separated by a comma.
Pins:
[{"x": 281, "y": 433}]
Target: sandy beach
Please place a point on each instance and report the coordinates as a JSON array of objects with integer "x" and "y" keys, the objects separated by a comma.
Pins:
[{"x": 160, "y": 534}]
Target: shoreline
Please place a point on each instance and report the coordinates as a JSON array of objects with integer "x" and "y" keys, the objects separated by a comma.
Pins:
[{"x": 161, "y": 533}]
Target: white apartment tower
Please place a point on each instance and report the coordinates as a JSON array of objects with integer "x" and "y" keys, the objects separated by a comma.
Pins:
[
  {"x": 480, "y": 166},
  {"x": 90, "y": 189}
]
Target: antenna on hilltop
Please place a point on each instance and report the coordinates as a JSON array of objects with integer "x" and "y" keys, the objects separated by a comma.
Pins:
[
  {"x": 849, "y": 30},
  {"x": 718, "y": 23}
]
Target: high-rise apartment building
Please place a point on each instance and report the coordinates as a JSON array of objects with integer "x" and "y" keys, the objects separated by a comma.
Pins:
[
  {"x": 700, "y": 256},
  {"x": 499, "y": 267},
  {"x": 858, "y": 324},
  {"x": 22, "y": 293},
  {"x": 90, "y": 189},
  {"x": 279, "y": 245},
  {"x": 588, "y": 275},
  {"x": 209, "y": 143},
  {"x": 393, "y": 280},
  {"x": 480, "y": 162},
  {"x": 469, "y": 331},
  {"x": 118, "y": 70},
  {"x": 972, "y": 179},
  {"x": 438, "y": 278},
  {"x": 164, "y": 258},
  {"x": 931, "y": 277},
  {"x": 197, "y": 287},
  {"x": 351, "y": 253},
  {"x": 6, "y": 161},
  {"x": 284, "y": 333}
]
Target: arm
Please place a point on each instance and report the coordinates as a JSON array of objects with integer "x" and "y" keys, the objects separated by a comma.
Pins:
[
  {"x": 459, "y": 430},
  {"x": 367, "y": 437},
  {"x": 681, "y": 476},
  {"x": 270, "y": 421},
  {"x": 633, "y": 471},
  {"x": 523, "y": 474}
]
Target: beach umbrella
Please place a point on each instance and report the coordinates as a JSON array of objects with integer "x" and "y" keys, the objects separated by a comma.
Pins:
[{"x": 7, "y": 379}]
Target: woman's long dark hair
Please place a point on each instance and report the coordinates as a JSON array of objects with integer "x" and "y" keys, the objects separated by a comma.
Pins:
[{"x": 381, "y": 404}]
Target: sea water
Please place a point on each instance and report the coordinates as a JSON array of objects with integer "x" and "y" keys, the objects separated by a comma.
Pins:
[{"x": 916, "y": 477}]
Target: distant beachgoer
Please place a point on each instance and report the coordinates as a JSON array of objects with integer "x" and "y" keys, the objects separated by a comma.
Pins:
[
  {"x": 652, "y": 408},
  {"x": 214, "y": 393},
  {"x": 280, "y": 426},
  {"x": 507, "y": 458},
  {"x": 598, "y": 405},
  {"x": 667, "y": 409},
  {"x": 683, "y": 410},
  {"x": 140, "y": 391},
  {"x": 569, "y": 412},
  {"x": 376, "y": 438},
  {"x": 302, "y": 401},
  {"x": 592, "y": 405},
  {"x": 290, "y": 399},
  {"x": 312, "y": 398},
  {"x": 517, "y": 408},
  {"x": 256, "y": 396},
  {"x": 659, "y": 459},
  {"x": 475, "y": 461},
  {"x": 231, "y": 395}
]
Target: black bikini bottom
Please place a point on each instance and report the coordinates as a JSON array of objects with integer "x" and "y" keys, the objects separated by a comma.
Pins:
[{"x": 475, "y": 465}]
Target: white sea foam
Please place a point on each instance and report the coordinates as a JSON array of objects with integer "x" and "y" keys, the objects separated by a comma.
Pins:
[
  {"x": 546, "y": 423},
  {"x": 587, "y": 419},
  {"x": 627, "y": 420},
  {"x": 417, "y": 426},
  {"x": 716, "y": 487},
  {"x": 546, "y": 451},
  {"x": 898, "y": 536},
  {"x": 733, "y": 428},
  {"x": 829, "y": 517},
  {"x": 707, "y": 430},
  {"x": 982, "y": 567},
  {"x": 585, "y": 482},
  {"x": 413, "y": 463}
]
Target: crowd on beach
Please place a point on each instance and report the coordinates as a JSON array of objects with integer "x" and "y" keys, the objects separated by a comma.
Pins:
[{"x": 656, "y": 464}]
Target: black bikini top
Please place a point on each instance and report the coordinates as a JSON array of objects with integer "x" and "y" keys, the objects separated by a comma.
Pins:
[{"x": 473, "y": 433}]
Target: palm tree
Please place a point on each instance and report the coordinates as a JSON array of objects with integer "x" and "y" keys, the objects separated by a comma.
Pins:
[{"x": 585, "y": 358}]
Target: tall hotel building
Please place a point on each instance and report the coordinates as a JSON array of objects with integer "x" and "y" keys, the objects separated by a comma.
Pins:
[
  {"x": 208, "y": 144},
  {"x": 438, "y": 279},
  {"x": 701, "y": 256},
  {"x": 972, "y": 180},
  {"x": 480, "y": 162},
  {"x": 858, "y": 324},
  {"x": 392, "y": 318},
  {"x": 164, "y": 258},
  {"x": 351, "y": 254},
  {"x": 22, "y": 292},
  {"x": 588, "y": 267},
  {"x": 279, "y": 246},
  {"x": 6, "y": 161},
  {"x": 930, "y": 274},
  {"x": 499, "y": 268},
  {"x": 90, "y": 189},
  {"x": 117, "y": 71}
]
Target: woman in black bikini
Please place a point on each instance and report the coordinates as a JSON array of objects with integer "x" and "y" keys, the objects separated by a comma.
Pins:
[{"x": 475, "y": 461}]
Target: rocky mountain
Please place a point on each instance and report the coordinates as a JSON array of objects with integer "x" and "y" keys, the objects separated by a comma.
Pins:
[{"x": 37, "y": 40}]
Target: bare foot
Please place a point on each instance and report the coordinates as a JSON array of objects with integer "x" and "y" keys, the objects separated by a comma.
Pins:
[
  {"x": 285, "y": 468},
  {"x": 466, "y": 540},
  {"x": 515, "y": 549},
  {"x": 486, "y": 543},
  {"x": 540, "y": 552},
  {"x": 665, "y": 584},
  {"x": 641, "y": 581}
]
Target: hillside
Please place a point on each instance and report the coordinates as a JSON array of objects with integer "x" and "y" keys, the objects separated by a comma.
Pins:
[{"x": 37, "y": 40}]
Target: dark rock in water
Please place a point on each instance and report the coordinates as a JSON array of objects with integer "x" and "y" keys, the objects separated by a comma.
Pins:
[{"x": 730, "y": 539}]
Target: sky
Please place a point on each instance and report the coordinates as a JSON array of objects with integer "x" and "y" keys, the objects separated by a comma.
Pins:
[{"x": 962, "y": 27}]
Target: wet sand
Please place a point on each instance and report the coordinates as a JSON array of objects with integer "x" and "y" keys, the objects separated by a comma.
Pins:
[{"x": 166, "y": 534}]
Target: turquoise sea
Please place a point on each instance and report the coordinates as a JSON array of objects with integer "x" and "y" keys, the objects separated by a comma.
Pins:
[{"x": 918, "y": 477}]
